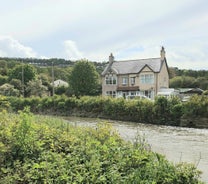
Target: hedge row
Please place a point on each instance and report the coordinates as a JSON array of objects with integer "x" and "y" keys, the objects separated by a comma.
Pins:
[{"x": 161, "y": 111}]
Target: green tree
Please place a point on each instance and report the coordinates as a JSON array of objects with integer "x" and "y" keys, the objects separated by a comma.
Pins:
[
  {"x": 9, "y": 90},
  {"x": 189, "y": 82},
  {"x": 16, "y": 83},
  {"x": 3, "y": 67},
  {"x": 45, "y": 79},
  {"x": 176, "y": 82},
  {"x": 35, "y": 88},
  {"x": 202, "y": 83},
  {"x": 3, "y": 79},
  {"x": 84, "y": 79},
  {"x": 23, "y": 72}
]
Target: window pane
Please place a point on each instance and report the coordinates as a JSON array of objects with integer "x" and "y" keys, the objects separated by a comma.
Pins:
[
  {"x": 110, "y": 80},
  {"x": 124, "y": 81},
  {"x": 147, "y": 79}
]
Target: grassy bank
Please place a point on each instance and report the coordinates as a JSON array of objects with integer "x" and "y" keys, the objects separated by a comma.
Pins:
[{"x": 37, "y": 149}]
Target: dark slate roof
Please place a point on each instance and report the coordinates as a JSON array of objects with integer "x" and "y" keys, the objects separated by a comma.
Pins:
[{"x": 134, "y": 66}]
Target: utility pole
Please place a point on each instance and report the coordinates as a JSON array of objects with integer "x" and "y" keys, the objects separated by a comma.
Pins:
[
  {"x": 23, "y": 90},
  {"x": 52, "y": 79}
]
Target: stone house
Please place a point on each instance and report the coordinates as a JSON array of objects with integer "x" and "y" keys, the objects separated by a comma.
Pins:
[{"x": 140, "y": 77}]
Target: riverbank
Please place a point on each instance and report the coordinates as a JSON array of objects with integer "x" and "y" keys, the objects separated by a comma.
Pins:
[
  {"x": 162, "y": 111},
  {"x": 38, "y": 149},
  {"x": 178, "y": 144},
  {"x": 197, "y": 122}
]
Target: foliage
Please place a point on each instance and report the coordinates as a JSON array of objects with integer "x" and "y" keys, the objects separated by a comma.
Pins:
[
  {"x": 35, "y": 88},
  {"x": 161, "y": 111},
  {"x": 4, "y": 103},
  {"x": 183, "y": 82},
  {"x": 9, "y": 90},
  {"x": 37, "y": 149},
  {"x": 188, "y": 78},
  {"x": 26, "y": 72},
  {"x": 84, "y": 78},
  {"x": 16, "y": 83},
  {"x": 174, "y": 71},
  {"x": 3, "y": 67},
  {"x": 3, "y": 79},
  {"x": 196, "y": 106},
  {"x": 45, "y": 79}
]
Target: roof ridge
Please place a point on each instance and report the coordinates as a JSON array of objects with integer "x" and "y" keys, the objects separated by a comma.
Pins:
[{"x": 136, "y": 59}]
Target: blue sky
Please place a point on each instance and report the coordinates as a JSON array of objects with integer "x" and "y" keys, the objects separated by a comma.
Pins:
[{"x": 92, "y": 29}]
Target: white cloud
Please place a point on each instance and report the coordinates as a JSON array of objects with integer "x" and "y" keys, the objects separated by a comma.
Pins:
[
  {"x": 9, "y": 47},
  {"x": 130, "y": 29},
  {"x": 71, "y": 50}
]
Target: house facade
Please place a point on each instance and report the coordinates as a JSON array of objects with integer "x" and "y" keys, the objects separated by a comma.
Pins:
[{"x": 135, "y": 77}]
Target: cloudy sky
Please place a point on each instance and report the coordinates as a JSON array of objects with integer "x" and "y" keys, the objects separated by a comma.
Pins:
[{"x": 92, "y": 29}]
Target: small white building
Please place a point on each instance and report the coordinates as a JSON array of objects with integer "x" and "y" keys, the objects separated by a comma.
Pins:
[{"x": 59, "y": 83}]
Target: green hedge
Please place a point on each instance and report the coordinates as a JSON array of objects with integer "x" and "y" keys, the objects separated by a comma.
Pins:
[
  {"x": 38, "y": 149},
  {"x": 160, "y": 111}
]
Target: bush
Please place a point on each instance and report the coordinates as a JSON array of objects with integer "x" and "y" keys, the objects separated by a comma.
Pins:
[
  {"x": 161, "y": 111},
  {"x": 37, "y": 149},
  {"x": 196, "y": 106}
]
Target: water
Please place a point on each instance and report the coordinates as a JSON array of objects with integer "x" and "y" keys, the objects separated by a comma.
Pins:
[{"x": 176, "y": 143}]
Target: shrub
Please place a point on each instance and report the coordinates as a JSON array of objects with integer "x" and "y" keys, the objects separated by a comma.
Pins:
[
  {"x": 161, "y": 111},
  {"x": 37, "y": 149}
]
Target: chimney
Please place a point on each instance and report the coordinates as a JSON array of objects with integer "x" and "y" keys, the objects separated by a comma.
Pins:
[
  {"x": 111, "y": 58},
  {"x": 162, "y": 53}
]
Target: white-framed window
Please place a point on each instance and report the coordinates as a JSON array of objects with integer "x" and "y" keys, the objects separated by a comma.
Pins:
[
  {"x": 147, "y": 93},
  {"x": 111, "y": 93},
  {"x": 132, "y": 80},
  {"x": 110, "y": 80},
  {"x": 147, "y": 79},
  {"x": 124, "y": 81}
]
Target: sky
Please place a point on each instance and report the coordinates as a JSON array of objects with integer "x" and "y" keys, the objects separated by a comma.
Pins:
[{"x": 92, "y": 29}]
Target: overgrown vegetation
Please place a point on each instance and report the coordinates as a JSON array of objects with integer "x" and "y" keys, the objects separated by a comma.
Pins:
[
  {"x": 19, "y": 74},
  {"x": 188, "y": 78},
  {"x": 37, "y": 149},
  {"x": 161, "y": 111}
]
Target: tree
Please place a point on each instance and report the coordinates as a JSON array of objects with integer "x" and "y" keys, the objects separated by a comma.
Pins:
[
  {"x": 16, "y": 83},
  {"x": 25, "y": 73},
  {"x": 183, "y": 82},
  {"x": 35, "y": 88},
  {"x": 9, "y": 90},
  {"x": 176, "y": 82},
  {"x": 84, "y": 79},
  {"x": 3, "y": 79},
  {"x": 202, "y": 83},
  {"x": 3, "y": 67}
]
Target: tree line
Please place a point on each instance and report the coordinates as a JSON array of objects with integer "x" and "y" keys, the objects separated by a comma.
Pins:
[
  {"x": 188, "y": 78},
  {"x": 33, "y": 77},
  {"x": 26, "y": 78}
]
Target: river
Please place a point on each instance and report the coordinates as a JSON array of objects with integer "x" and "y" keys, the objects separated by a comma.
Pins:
[{"x": 176, "y": 143}]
